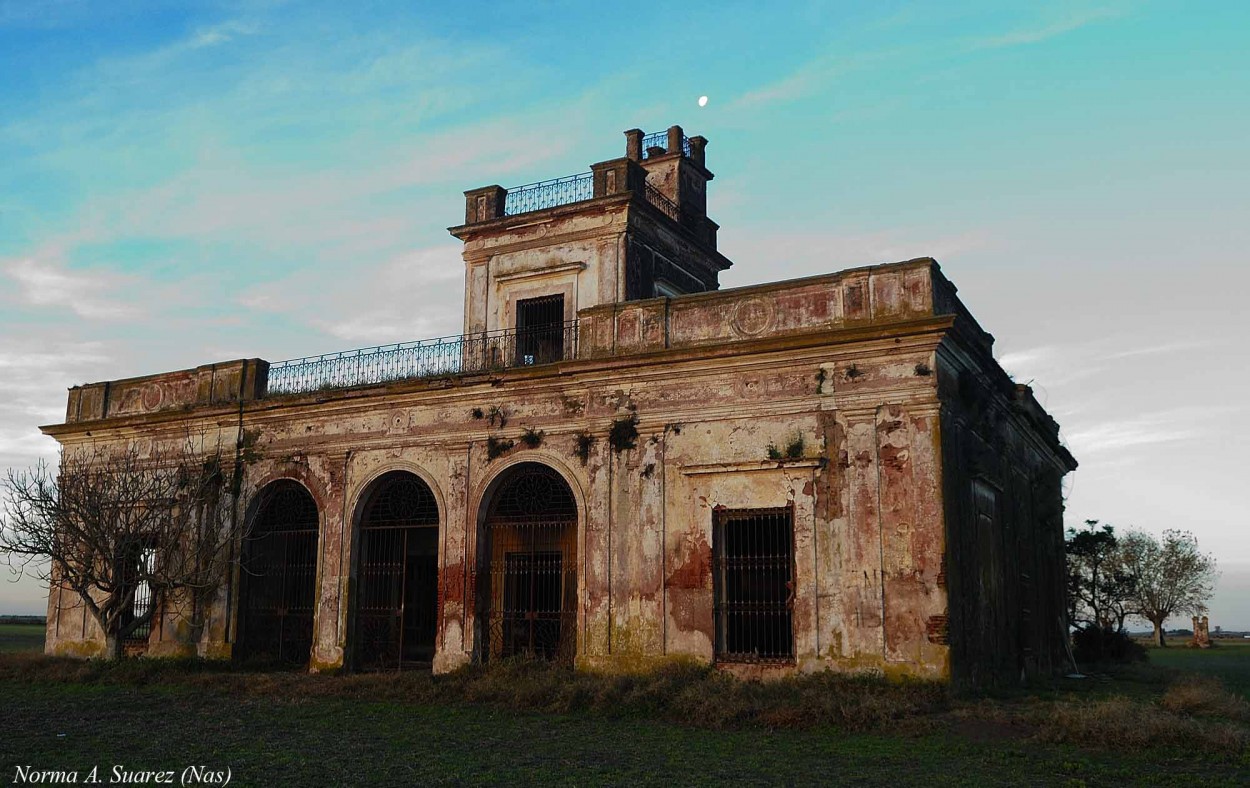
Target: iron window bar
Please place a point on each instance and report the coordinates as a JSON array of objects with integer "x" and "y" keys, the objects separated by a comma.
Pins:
[
  {"x": 753, "y": 584},
  {"x": 483, "y": 351}
]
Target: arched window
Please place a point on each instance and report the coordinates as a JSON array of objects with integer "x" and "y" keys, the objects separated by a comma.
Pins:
[
  {"x": 396, "y": 610},
  {"x": 278, "y": 592},
  {"x": 528, "y": 601}
]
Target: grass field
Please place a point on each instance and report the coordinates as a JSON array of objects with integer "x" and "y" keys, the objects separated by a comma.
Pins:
[
  {"x": 482, "y": 727},
  {"x": 21, "y": 637}
]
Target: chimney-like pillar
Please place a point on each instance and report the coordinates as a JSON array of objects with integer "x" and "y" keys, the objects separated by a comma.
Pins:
[
  {"x": 618, "y": 176},
  {"x": 484, "y": 204},
  {"x": 633, "y": 144},
  {"x": 697, "y": 146},
  {"x": 674, "y": 139}
]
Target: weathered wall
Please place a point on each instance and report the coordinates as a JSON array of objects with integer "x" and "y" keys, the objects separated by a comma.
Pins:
[
  {"x": 1004, "y": 522},
  {"x": 847, "y": 365}
]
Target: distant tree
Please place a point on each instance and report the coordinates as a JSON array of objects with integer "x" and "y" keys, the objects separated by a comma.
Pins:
[
  {"x": 116, "y": 524},
  {"x": 1099, "y": 588},
  {"x": 1170, "y": 576}
]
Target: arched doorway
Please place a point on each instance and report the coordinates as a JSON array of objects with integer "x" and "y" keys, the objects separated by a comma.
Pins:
[
  {"x": 396, "y": 575},
  {"x": 278, "y": 588},
  {"x": 528, "y": 566}
]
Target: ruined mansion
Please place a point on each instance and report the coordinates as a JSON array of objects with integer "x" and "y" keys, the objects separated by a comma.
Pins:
[{"x": 619, "y": 464}]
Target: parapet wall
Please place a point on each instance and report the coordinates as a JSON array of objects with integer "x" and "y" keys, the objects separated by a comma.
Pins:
[
  {"x": 210, "y": 384},
  {"x": 859, "y": 297}
]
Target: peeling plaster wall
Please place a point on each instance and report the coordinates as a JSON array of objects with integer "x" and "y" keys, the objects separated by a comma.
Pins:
[{"x": 845, "y": 362}]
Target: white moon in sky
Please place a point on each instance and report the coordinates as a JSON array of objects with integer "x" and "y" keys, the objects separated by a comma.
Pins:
[{"x": 702, "y": 101}]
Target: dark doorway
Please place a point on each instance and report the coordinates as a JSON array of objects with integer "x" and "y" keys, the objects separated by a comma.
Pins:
[
  {"x": 397, "y": 575},
  {"x": 529, "y": 595},
  {"x": 540, "y": 330},
  {"x": 752, "y": 584},
  {"x": 278, "y": 592}
]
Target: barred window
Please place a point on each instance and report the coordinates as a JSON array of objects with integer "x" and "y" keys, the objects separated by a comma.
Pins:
[{"x": 753, "y": 584}]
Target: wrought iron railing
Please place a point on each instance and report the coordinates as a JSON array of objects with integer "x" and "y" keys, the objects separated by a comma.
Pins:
[
  {"x": 457, "y": 355},
  {"x": 659, "y": 139},
  {"x": 549, "y": 194},
  {"x": 663, "y": 203}
]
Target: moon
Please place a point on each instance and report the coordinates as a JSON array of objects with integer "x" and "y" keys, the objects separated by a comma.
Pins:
[{"x": 702, "y": 101}]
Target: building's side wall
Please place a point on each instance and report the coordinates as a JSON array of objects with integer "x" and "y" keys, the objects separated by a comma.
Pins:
[{"x": 1004, "y": 513}]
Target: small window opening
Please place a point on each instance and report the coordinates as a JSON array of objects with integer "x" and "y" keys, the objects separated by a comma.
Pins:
[{"x": 540, "y": 330}]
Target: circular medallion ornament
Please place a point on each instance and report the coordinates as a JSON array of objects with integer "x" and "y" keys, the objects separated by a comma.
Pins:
[
  {"x": 752, "y": 316},
  {"x": 152, "y": 397}
]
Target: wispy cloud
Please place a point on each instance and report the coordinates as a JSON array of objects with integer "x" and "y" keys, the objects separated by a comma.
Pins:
[
  {"x": 33, "y": 381},
  {"x": 1144, "y": 430},
  {"x": 220, "y": 34},
  {"x": 45, "y": 283},
  {"x": 1042, "y": 32}
]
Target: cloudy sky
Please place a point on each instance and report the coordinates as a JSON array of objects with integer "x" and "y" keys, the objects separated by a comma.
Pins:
[{"x": 186, "y": 183}]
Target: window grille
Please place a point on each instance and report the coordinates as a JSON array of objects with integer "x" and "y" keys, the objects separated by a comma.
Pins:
[
  {"x": 279, "y": 575},
  {"x": 753, "y": 584},
  {"x": 397, "y": 600}
]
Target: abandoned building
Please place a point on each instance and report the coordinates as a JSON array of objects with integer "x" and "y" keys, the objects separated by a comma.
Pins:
[{"x": 619, "y": 463}]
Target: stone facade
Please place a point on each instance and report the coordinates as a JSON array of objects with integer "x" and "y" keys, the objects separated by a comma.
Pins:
[{"x": 856, "y": 419}]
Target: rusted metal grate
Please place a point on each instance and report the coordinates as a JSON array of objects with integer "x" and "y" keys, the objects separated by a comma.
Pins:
[
  {"x": 753, "y": 584},
  {"x": 279, "y": 576},
  {"x": 397, "y": 598},
  {"x": 140, "y": 563},
  {"x": 531, "y": 577}
]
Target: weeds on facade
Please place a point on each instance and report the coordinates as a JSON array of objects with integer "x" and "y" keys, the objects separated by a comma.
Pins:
[
  {"x": 532, "y": 438},
  {"x": 922, "y": 370},
  {"x": 497, "y": 447},
  {"x": 624, "y": 433},
  {"x": 793, "y": 449},
  {"x": 853, "y": 372},
  {"x": 497, "y": 416},
  {"x": 477, "y": 413},
  {"x": 820, "y": 380},
  {"x": 584, "y": 443}
]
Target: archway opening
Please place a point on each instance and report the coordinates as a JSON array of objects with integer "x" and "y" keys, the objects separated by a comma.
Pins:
[
  {"x": 278, "y": 588},
  {"x": 397, "y": 575},
  {"x": 528, "y": 567}
]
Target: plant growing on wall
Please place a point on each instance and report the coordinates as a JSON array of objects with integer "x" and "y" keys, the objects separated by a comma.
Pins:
[
  {"x": 496, "y": 447},
  {"x": 581, "y": 450},
  {"x": 497, "y": 416},
  {"x": 793, "y": 449},
  {"x": 130, "y": 532},
  {"x": 624, "y": 433},
  {"x": 532, "y": 438}
]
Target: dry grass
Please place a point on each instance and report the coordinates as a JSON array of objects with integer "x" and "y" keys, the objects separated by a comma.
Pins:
[
  {"x": 689, "y": 694},
  {"x": 1188, "y": 713},
  {"x": 1204, "y": 696},
  {"x": 1123, "y": 724}
]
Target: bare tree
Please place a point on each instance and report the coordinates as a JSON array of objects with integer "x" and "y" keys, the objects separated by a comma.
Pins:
[
  {"x": 1170, "y": 577},
  {"x": 131, "y": 532}
]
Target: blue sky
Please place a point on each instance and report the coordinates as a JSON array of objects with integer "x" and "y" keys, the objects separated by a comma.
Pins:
[{"x": 183, "y": 183}]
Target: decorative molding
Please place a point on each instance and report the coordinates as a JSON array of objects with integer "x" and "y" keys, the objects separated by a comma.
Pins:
[
  {"x": 535, "y": 273},
  {"x": 749, "y": 467}
]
